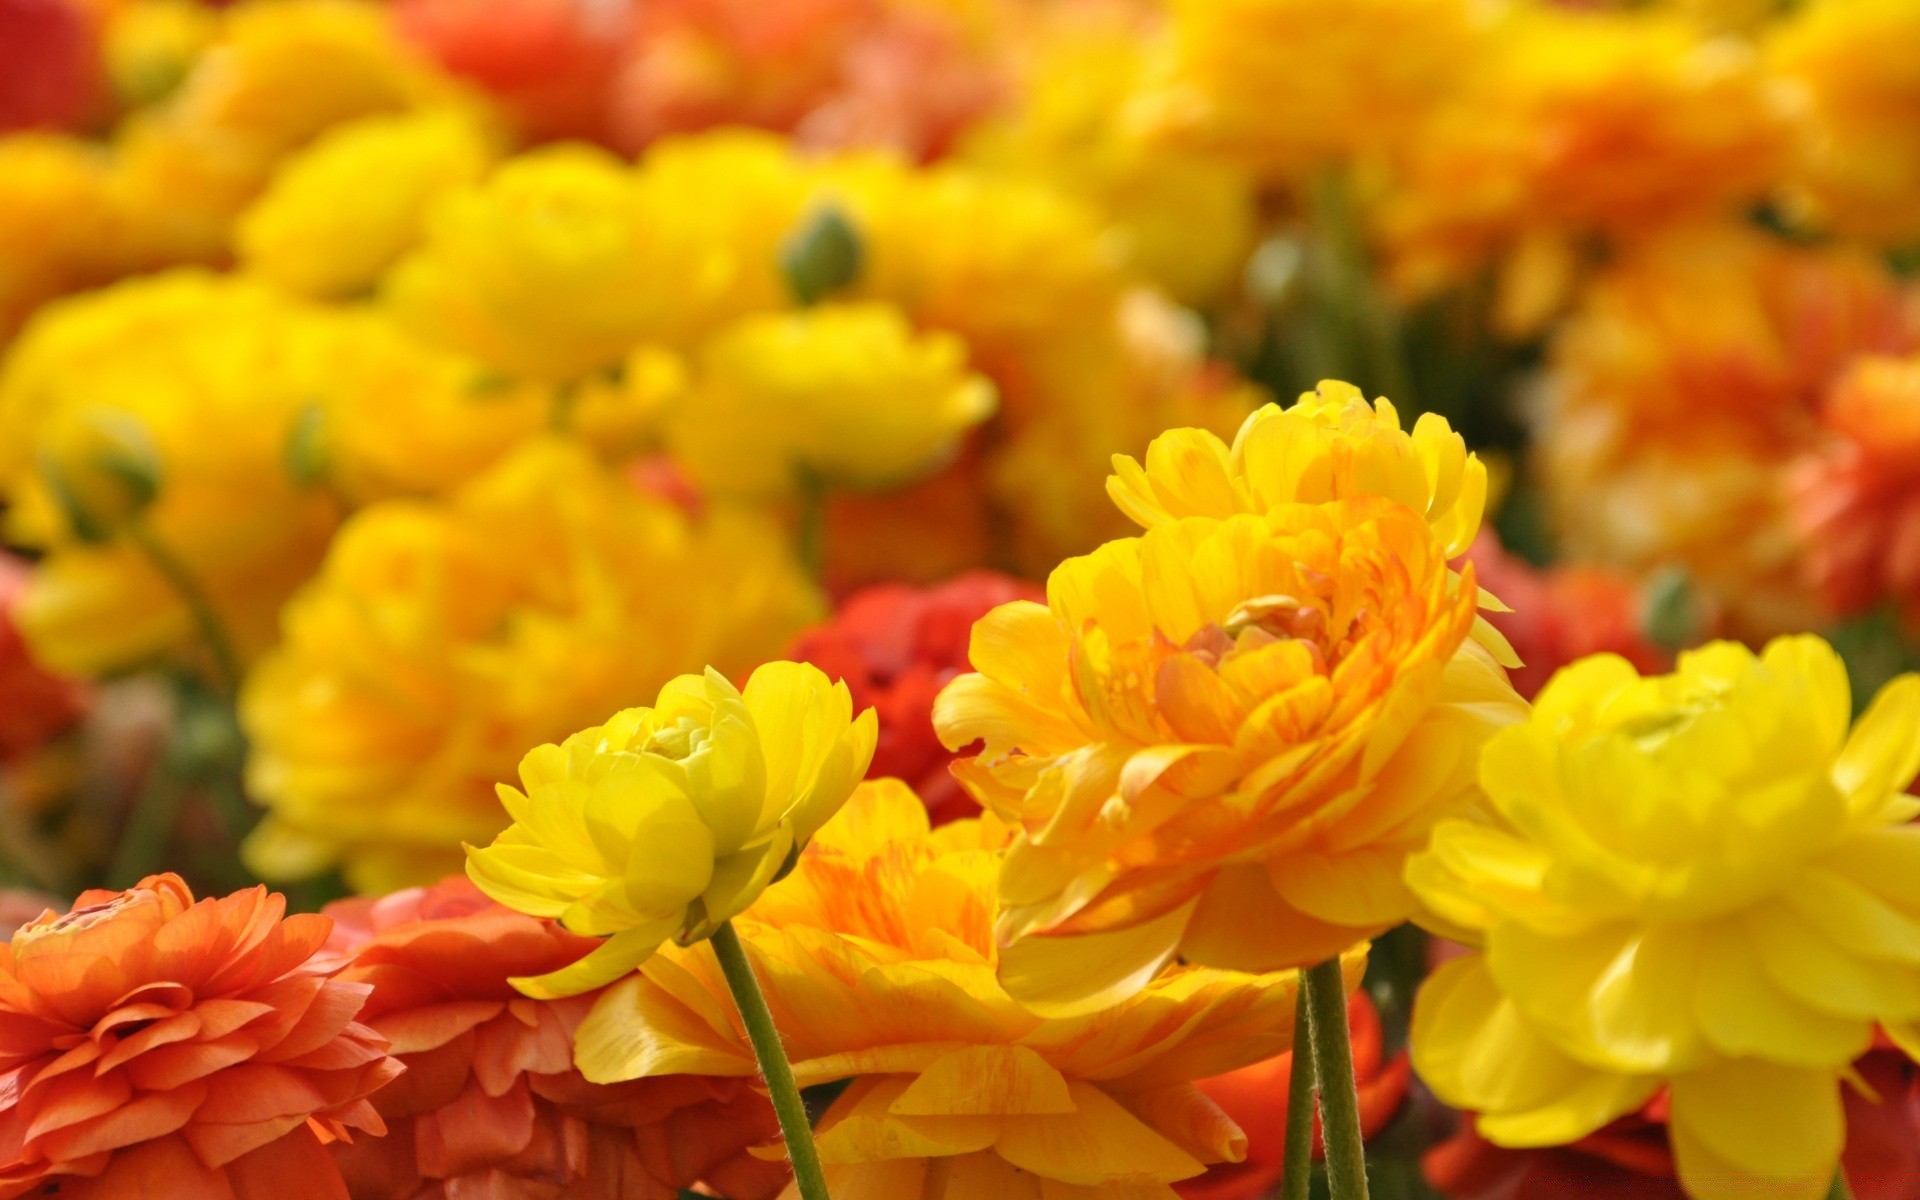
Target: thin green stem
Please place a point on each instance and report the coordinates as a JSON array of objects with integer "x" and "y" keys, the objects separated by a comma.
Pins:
[
  {"x": 1333, "y": 1071},
  {"x": 774, "y": 1067},
  {"x": 1370, "y": 326},
  {"x": 1297, "y": 1179},
  {"x": 143, "y": 841},
  {"x": 226, "y": 664},
  {"x": 810, "y": 539},
  {"x": 1840, "y": 1190}
]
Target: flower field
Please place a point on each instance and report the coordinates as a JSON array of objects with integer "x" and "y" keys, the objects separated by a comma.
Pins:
[{"x": 960, "y": 599}]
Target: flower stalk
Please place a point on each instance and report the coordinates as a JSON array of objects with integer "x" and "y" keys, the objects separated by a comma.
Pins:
[
  {"x": 1297, "y": 1177},
  {"x": 1326, "y": 1002},
  {"x": 774, "y": 1067}
]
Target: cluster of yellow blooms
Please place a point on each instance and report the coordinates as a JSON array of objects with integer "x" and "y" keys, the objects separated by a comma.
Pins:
[{"x": 422, "y": 448}]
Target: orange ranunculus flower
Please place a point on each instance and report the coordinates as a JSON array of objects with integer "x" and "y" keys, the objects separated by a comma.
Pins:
[
  {"x": 1857, "y": 497},
  {"x": 491, "y": 1104},
  {"x": 877, "y": 956},
  {"x": 1256, "y": 1098},
  {"x": 156, "y": 1046},
  {"x": 895, "y": 647},
  {"x": 1221, "y": 739}
]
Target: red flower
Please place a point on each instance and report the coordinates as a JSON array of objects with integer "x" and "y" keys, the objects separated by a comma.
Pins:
[
  {"x": 551, "y": 62},
  {"x": 1561, "y": 614},
  {"x": 491, "y": 1105},
  {"x": 1630, "y": 1159},
  {"x": 49, "y": 64},
  {"x": 1256, "y": 1098},
  {"x": 896, "y": 646},
  {"x": 152, "y": 1046},
  {"x": 35, "y": 704}
]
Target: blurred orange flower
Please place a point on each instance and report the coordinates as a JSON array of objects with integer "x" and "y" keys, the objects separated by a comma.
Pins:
[
  {"x": 158, "y": 1046},
  {"x": 1256, "y": 1098},
  {"x": 896, "y": 646},
  {"x": 1858, "y": 495},
  {"x": 491, "y": 1104}
]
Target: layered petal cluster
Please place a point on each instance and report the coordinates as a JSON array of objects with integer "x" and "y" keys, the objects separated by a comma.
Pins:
[
  {"x": 1576, "y": 124},
  {"x": 1857, "y": 496},
  {"x": 877, "y": 958},
  {"x": 667, "y": 821},
  {"x": 839, "y": 396},
  {"x": 159, "y": 1046},
  {"x": 340, "y": 212},
  {"x": 1699, "y": 882},
  {"x": 1856, "y": 97},
  {"x": 491, "y": 1103},
  {"x": 444, "y": 637},
  {"x": 895, "y": 647},
  {"x": 1221, "y": 738},
  {"x": 1680, "y": 392},
  {"x": 180, "y": 389}
]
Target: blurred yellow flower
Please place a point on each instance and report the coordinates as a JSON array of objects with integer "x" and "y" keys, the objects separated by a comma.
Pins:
[
  {"x": 843, "y": 396},
  {"x": 340, "y": 212},
  {"x": 1220, "y": 740},
  {"x": 1288, "y": 87},
  {"x": 1856, "y": 93},
  {"x": 666, "y": 822},
  {"x": 53, "y": 217},
  {"x": 205, "y": 375},
  {"x": 1699, "y": 882},
  {"x": 877, "y": 956},
  {"x": 148, "y": 46},
  {"x": 443, "y": 639},
  {"x": 1575, "y": 124}
]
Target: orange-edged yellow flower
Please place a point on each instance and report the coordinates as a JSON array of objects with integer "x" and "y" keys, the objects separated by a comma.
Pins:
[
  {"x": 1220, "y": 740},
  {"x": 1579, "y": 124},
  {"x": 443, "y": 639},
  {"x": 1856, "y": 98},
  {"x": 667, "y": 821},
  {"x": 492, "y": 1100},
  {"x": 159, "y": 1046},
  {"x": 1700, "y": 883},
  {"x": 170, "y": 398},
  {"x": 877, "y": 956}
]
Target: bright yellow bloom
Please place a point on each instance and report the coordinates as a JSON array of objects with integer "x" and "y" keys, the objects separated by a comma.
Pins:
[
  {"x": 1292, "y": 86},
  {"x": 340, "y": 212},
  {"x": 566, "y": 259},
  {"x": 442, "y": 639},
  {"x": 1699, "y": 882},
  {"x": 1330, "y": 445},
  {"x": 1576, "y": 124},
  {"x": 666, "y": 822},
  {"x": 205, "y": 376},
  {"x": 53, "y": 216},
  {"x": 877, "y": 956},
  {"x": 848, "y": 396},
  {"x": 1220, "y": 740},
  {"x": 1857, "y": 103}
]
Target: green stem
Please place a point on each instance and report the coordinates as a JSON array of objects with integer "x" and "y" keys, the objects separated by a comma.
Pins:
[
  {"x": 1370, "y": 327},
  {"x": 811, "y": 536},
  {"x": 1298, "y": 1160},
  {"x": 143, "y": 841},
  {"x": 1840, "y": 1190},
  {"x": 1339, "y": 1092},
  {"x": 774, "y": 1067},
  {"x": 226, "y": 665}
]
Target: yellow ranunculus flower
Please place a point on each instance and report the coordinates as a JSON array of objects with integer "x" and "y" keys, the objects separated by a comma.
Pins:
[
  {"x": 668, "y": 821},
  {"x": 1329, "y": 445},
  {"x": 1220, "y": 740},
  {"x": 443, "y": 638},
  {"x": 1850, "y": 68},
  {"x": 877, "y": 958},
  {"x": 340, "y": 212},
  {"x": 1698, "y": 882},
  {"x": 204, "y": 377},
  {"x": 846, "y": 395}
]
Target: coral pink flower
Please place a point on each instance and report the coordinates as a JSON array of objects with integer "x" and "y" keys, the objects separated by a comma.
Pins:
[
  {"x": 152, "y": 1046},
  {"x": 1256, "y": 1098},
  {"x": 491, "y": 1105},
  {"x": 896, "y": 647},
  {"x": 1561, "y": 614},
  {"x": 35, "y": 704}
]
